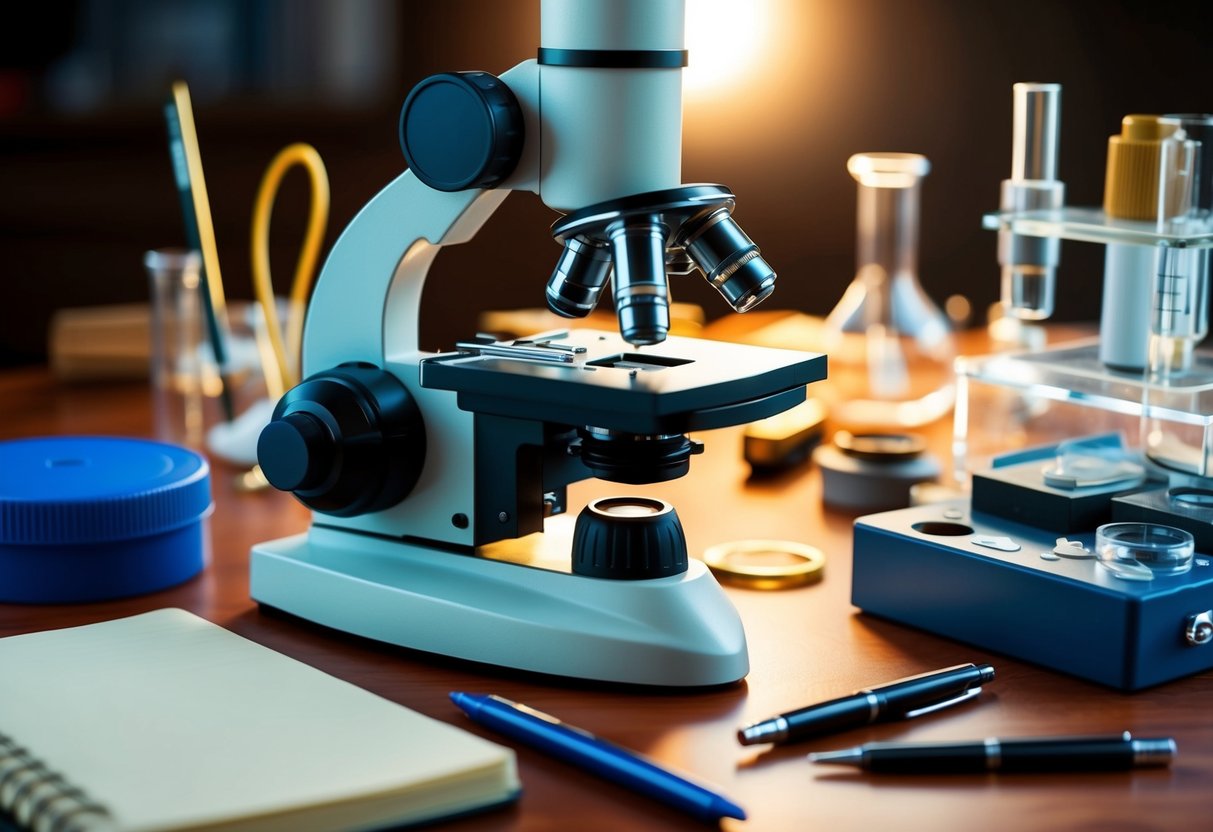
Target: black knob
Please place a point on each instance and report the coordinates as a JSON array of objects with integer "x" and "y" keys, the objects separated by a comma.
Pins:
[
  {"x": 461, "y": 130},
  {"x": 296, "y": 452},
  {"x": 347, "y": 441},
  {"x": 629, "y": 538}
]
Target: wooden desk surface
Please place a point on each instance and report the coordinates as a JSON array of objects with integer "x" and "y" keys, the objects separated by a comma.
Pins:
[{"x": 806, "y": 645}]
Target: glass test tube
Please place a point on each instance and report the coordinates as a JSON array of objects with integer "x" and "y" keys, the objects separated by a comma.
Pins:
[
  {"x": 1179, "y": 311},
  {"x": 1029, "y": 264},
  {"x": 1178, "y": 316}
]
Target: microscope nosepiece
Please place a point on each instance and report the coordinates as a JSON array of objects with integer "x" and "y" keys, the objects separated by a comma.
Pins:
[
  {"x": 650, "y": 235},
  {"x": 729, "y": 259}
]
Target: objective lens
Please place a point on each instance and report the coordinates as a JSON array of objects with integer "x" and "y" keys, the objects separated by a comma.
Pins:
[
  {"x": 729, "y": 259},
  {"x": 581, "y": 273},
  {"x": 641, "y": 295}
]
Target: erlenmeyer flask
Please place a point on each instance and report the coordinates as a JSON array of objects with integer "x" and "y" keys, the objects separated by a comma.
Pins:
[{"x": 890, "y": 347}]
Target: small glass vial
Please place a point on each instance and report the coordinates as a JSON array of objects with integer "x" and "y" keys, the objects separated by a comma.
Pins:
[{"x": 890, "y": 347}]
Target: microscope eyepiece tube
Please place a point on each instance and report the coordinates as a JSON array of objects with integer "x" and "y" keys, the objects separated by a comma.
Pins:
[
  {"x": 641, "y": 294},
  {"x": 581, "y": 273},
  {"x": 729, "y": 259},
  {"x": 1029, "y": 264}
]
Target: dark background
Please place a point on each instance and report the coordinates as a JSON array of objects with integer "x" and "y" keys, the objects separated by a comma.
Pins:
[{"x": 86, "y": 188}]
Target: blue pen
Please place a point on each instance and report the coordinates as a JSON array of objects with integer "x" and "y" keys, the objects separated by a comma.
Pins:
[{"x": 605, "y": 759}]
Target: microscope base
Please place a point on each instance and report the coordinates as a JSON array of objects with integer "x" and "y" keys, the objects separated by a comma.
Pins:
[
  {"x": 921, "y": 566},
  {"x": 678, "y": 631}
]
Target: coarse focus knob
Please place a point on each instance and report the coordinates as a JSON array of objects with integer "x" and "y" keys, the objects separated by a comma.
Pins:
[
  {"x": 461, "y": 130},
  {"x": 347, "y": 441},
  {"x": 629, "y": 538}
]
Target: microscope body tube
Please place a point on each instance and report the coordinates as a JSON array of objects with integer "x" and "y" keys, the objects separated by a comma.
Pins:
[{"x": 609, "y": 131}]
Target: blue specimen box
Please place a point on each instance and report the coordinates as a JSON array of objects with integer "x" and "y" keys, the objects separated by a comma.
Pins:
[
  {"x": 940, "y": 568},
  {"x": 89, "y": 518}
]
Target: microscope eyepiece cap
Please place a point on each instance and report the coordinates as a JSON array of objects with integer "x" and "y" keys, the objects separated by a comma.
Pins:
[{"x": 461, "y": 130}]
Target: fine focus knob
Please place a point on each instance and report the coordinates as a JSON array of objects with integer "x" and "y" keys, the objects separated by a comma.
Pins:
[
  {"x": 461, "y": 130},
  {"x": 629, "y": 538},
  {"x": 347, "y": 441}
]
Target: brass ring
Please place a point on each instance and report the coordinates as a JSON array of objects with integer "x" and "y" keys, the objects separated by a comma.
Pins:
[
  {"x": 765, "y": 564},
  {"x": 880, "y": 447}
]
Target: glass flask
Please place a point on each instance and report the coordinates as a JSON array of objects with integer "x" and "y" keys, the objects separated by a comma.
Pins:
[{"x": 890, "y": 347}]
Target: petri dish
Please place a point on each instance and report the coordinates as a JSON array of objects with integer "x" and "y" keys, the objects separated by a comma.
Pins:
[{"x": 1128, "y": 549}]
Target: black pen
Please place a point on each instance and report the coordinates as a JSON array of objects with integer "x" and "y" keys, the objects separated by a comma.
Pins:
[
  {"x": 1106, "y": 753},
  {"x": 902, "y": 699}
]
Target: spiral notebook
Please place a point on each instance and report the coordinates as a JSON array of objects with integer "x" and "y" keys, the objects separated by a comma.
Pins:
[{"x": 164, "y": 721}]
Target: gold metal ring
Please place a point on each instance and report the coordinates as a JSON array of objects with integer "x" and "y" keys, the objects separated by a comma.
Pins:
[
  {"x": 766, "y": 564},
  {"x": 880, "y": 447}
]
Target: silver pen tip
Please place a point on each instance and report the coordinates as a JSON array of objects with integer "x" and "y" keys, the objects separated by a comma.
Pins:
[
  {"x": 845, "y": 756},
  {"x": 1153, "y": 752},
  {"x": 771, "y": 730}
]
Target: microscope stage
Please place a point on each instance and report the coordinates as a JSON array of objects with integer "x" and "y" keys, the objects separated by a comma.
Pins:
[{"x": 679, "y": 385}]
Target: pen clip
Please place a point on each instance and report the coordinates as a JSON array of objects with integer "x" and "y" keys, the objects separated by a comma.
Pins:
[{"x": 946, "y": 703}]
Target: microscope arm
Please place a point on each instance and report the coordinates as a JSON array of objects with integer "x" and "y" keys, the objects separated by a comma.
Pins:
[
  {"x": 377, "y": 268},
  {"x": 372, "y": 275}
]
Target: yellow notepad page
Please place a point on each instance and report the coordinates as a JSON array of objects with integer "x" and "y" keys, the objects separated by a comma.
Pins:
[{"x": 172, "y": 722}]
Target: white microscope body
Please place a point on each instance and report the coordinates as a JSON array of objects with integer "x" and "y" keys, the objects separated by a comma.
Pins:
[{"x": 401, "y": 506}]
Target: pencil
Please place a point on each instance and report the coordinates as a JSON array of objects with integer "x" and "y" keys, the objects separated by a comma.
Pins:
[{"x": 199, "y": 229}]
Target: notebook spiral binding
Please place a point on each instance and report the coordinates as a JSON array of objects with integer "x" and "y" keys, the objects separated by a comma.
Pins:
[{"x": 40, "y": 800}]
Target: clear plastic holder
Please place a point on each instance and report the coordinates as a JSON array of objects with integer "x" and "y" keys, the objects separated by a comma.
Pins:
[
  {"x": 1091, "y": 225},
  {"x": 1037, "y": 397},
  {"x": 1040, "y": 396}
]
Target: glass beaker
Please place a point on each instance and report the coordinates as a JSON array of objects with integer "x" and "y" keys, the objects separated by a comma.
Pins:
[
  {"x": 890, "y": 347},
  {"x": 181, "y": 369}
]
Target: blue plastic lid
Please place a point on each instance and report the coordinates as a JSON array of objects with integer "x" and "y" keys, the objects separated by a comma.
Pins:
[{"x": 93, "y": 489}]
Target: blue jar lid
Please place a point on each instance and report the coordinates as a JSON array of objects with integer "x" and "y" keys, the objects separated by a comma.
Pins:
[
  {"x": 89, "y": 518},
  {"x": 93, "y": 489}
]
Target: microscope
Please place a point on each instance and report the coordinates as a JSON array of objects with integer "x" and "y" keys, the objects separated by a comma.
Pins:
[
  {"x": 415, "y": 464},
  {"x": 1079, "y": 549}
]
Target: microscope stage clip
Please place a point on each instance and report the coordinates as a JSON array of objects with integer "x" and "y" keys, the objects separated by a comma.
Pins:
[{"x": 523, "y": 350}]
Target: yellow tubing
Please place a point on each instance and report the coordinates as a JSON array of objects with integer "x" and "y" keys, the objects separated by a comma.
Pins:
[{"x": 286, "y": 355}]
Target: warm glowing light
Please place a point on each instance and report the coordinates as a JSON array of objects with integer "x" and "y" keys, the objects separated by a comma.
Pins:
[
  {"x": 726, "y": 41},
  {"x": 958, "y": 309}
]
